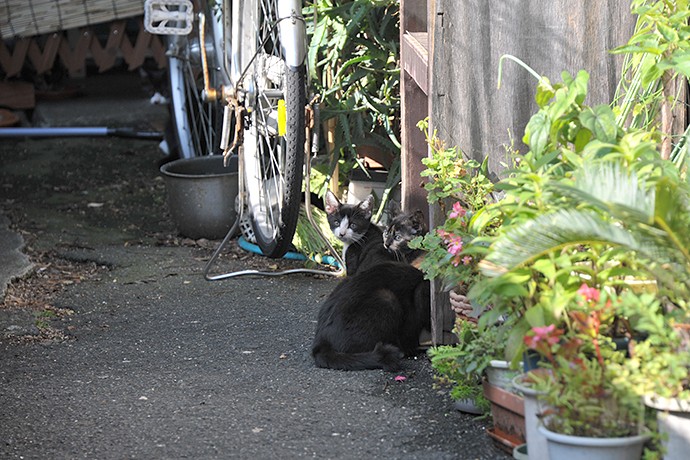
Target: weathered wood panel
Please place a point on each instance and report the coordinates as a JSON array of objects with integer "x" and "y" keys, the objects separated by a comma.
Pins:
[
  {"x": 469, "y": 38},
  {"x": 414, "y": 59}
]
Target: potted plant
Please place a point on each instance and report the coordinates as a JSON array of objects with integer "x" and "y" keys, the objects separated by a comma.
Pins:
[
  {"x": 659, "y": 366},
  {"x": 461, "y": 367},
  {"x": 590, "y": 406},
  {"x": 466, "y": 367},
  {"x": 460, "y": 187},
  {"x": 536, "y": 445}
]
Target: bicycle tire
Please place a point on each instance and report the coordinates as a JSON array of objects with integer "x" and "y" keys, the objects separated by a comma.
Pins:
[
  {"x": 273, "y": 163},
  {"x": 196, "y": 124}
]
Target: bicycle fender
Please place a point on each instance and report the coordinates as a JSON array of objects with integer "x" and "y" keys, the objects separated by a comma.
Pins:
[{"x": 292, "y": 30}]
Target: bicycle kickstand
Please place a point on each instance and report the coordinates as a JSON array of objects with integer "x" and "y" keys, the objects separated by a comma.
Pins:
[{"x": 312, "y": 117}]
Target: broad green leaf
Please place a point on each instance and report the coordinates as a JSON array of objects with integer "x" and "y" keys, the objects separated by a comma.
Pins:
[
  {"x": 669, "y": 33},
  {"x": 545, "y": 267},
  {"x": 537, "y": 132},
  {"x": 535, "y": 316},
  {"x": 544, "y": 93},
  {"x": 601, "y": 121}
]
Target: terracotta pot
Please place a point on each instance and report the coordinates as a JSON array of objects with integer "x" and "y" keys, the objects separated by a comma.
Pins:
[{"x": 507, "y": 411}]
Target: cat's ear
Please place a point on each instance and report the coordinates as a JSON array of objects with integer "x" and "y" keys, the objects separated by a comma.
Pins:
[
  {"x": 394, "y": 208},
  {"x": 367, "y": 206},
  {"x": 419, "y": 222},
  {"x": 332, "y": 203}
]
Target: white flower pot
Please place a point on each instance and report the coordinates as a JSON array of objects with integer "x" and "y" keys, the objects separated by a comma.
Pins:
[
  {"x": 501, "y": 375},
  {"x": 468, "y": 406},
  {"x": 562, "y": 446},
  {"x": 536, "y": 441},
  {"x": 673, "y": 418}
]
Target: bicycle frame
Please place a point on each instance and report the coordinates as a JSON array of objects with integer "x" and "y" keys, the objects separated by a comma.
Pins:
[
  {"x": 235, "y": 49},
  {"x": 242, "y": 44}
]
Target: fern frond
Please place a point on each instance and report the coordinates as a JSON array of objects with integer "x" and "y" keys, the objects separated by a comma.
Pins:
[{"x": 547, "y": 233}]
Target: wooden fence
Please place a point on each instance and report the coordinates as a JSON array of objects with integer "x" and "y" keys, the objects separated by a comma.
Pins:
[
  {"x": 450, "y": 52},
  {"x": 36, "y": 33},
  {"x": 469, "y": 38}
]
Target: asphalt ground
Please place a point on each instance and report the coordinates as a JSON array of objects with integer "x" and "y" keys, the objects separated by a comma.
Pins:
[{"x": 112, "y": 344}]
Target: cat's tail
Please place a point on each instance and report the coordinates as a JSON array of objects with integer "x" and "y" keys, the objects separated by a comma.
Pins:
[{"x": 383, "y": 356}]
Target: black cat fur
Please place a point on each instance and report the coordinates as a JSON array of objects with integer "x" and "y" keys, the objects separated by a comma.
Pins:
[
  {"x": 403, "y": 228},
  {"x": 373, "y": 319},
  {"x": 362, "y": 239}
]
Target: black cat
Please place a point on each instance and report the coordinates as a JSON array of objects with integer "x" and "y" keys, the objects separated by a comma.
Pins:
[
  {"x": 372, "y": 319},
  {"x": 403, "y": 228},
  {"x": 362, "y": 239}
]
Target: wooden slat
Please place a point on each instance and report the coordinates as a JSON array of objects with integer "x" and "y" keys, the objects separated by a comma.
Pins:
[
  {"x": 43, "y": 59},
  {"x": 414, "y": 45},
  {"x": 106, "y": 55},
  {"x": 12, "y": 62},
  {"x": 469, "y": 111},
  {"x": 135, "y": 55},
  {"x": 74, "y": 57},
  {"x": 24, "y": 18}
]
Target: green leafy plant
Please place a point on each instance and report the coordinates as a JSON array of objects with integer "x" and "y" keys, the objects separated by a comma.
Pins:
[
  {"x": 451, "y": 252},
  {"x": 452, "y": 175},
  {"x": 568, "y": 142},
  {"x": 656, "y": 62},
  {"x": 580, "y": 380},
  {"x": 659, "y": 362},
  {"x": 461, "y": 366},
  {"x": 353, "y": 63}
]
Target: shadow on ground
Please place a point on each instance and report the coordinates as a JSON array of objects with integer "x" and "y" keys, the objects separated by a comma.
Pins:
[{"x": 114, "y": 346}]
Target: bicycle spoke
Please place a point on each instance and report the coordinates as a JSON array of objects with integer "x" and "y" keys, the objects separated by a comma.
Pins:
[{"x": 274, "y": 177}]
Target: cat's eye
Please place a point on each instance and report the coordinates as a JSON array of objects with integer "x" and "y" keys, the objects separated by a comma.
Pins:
[
  {"x": 353, "y": 226},
  {"x": 336, "y": 222},
  {"x": 398, "y": 237}
]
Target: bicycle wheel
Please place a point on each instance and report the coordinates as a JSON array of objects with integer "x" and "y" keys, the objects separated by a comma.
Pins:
[
  {"x": 196, "y": 124},
  {"x": 273, "y": 160}
]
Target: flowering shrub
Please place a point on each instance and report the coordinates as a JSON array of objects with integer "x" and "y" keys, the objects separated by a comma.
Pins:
[
  {"x": 452, "y": 255},
  {"x": 581, "y": 383},
  {"x": 449, "y": 254}
]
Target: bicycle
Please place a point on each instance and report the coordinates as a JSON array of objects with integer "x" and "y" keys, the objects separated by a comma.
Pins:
[{"x": 250, "y": 73}]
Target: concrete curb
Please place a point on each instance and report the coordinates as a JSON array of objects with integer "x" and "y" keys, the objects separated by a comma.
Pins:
[{"x": 15, "y": 263}]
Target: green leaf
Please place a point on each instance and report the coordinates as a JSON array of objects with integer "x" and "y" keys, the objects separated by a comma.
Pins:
[
  {"x": 669, "y": 33},
  {"x": 537, "y": 132},
  {"x": 544, "y": 93},
  {"x": 535, "y": 316},
  {"x": 545, "y": 267},
  {"x": 582, "y": 138},
  {"x": 514, "y": 341},
  {"x": 601, "y": 121}
]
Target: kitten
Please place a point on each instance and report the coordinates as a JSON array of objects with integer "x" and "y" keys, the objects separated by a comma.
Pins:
[
  {"x": 362, "y": 239},
  {"x": 404, "y": 227},
  {"x": 372, "y": 319}
]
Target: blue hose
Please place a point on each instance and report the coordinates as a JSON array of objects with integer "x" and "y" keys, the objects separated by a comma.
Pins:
[{"x": 290, "y": 255}]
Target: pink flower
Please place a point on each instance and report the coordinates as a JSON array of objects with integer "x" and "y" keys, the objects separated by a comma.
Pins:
[
  {"x": 458, "y": 211},
  {"x": 400, "y": 378},
  {"x": 548, "y": 334},
  {"x": 455, "y": 245},
  {"x": 589, "y": 293},
  {"x": 466, "y": 260}
]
